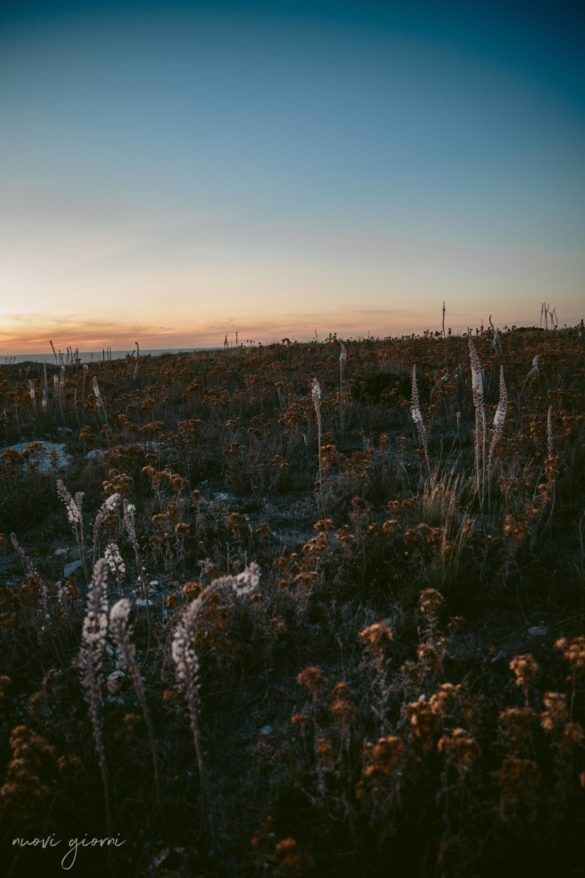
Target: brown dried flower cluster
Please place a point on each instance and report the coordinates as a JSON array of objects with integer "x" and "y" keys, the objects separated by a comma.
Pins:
[
  {"x": 430, "y": 603},
  {"x": 460, "y": 748},
  {"x": 517, "y": 728},
  {"x": 377, "y": 637},
  {"x": 383, "y": 759},
  {"x": 311, "y": 678},
  {"x": 424, "y": 723},
  {"x": 519, "y": 781},
  {"x": 525, "y": 669},
  {"x": 556, "y": 713},
  {"x": 573, "y": 651}
]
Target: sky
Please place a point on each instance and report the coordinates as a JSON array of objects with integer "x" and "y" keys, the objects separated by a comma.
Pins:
[{"x": 174, "y": 171}]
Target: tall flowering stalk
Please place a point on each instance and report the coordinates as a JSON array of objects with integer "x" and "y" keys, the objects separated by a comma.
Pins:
[
  {"x": 74, "y": 509},
  {"x": 32, "y": 394},
  {"x": 342, "y": 363},
  {"x": 416, "y": 415},
  {"x": 32, "y": 573},
  {"x": 45, "y": 399},
  {"x": 316, "y": 397},
  {"x": 109, "y": 505},
  {"x": 90, "y": 663},
  {"x": 480, "y": 421},
  {"x": 129, "y": 511},
  {"x": 121, "y": 632},
  {"x": 83, "y": 383},
  {"x": 499, "y": 418},
  {"x": 187, "y": 663},
  {"x": 29, "y": 567},
  {"x": 116, "y": 563},
  {"x": 549, "y": 432},
  {"x": 99, "y": 400},
  {"x": 534, "y": 369}
]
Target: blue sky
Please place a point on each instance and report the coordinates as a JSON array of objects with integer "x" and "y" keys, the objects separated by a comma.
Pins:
[{"x": 174, "y": 170}]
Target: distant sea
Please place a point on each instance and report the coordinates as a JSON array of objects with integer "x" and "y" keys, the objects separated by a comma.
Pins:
[{"x": 94, "y": 356}]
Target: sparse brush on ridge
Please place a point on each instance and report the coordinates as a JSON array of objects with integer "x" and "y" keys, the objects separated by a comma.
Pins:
[
  {"x": 90, "y": 661},
  {"x": 416, "y": 415},
  {"x": 187, "y": 663}
]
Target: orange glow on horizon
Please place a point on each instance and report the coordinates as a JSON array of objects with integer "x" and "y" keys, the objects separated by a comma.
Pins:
[{"x": 33, "y": 336}]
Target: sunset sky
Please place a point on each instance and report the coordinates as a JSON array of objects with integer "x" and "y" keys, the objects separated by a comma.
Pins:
[{"x": 171, "y": 170}]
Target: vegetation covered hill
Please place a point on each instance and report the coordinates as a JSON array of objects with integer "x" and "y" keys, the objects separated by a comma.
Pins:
[{"x": 326, "y": 620}]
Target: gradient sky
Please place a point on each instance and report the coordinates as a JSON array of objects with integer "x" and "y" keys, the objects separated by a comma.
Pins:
[{"x": 173, "y": 170}]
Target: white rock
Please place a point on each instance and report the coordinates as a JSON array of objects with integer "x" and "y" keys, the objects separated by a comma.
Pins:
[
  {"x": 72, "y": 568},
  {"x": 95, "y": 454},
  {"x": 538, "y": 631},
  {"x": 49, "y": 456}
]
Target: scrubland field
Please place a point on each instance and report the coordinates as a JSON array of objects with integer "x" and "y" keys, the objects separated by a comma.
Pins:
[{"x": 326, "y": 620}]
